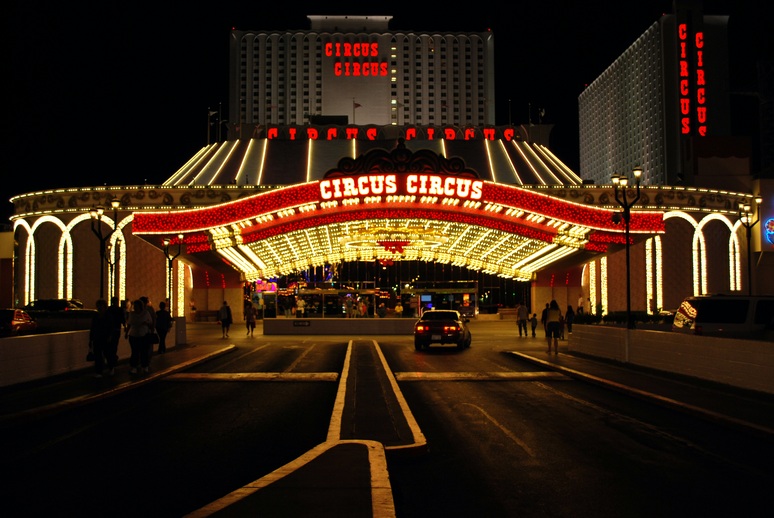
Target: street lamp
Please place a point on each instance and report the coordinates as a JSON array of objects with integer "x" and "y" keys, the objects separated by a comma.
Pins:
[
  {"x": 746, "y": 215},
  {"x": 171, "y": 257},
  {"x": 96, "y": 227},
  {"x": 620, "y": 182}
]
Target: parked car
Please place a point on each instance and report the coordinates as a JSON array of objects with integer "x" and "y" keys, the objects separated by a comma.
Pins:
[
  {"x": 54, "y": 315},
  {"x": 733, "y": 316},
  {"x": 442, "y": 326},
  {"x": 15, "y": 322},
  {"x": 54, "y": 305}
]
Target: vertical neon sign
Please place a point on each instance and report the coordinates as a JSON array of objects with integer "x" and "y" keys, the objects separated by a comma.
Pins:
[{"x": 692, "y": 81}]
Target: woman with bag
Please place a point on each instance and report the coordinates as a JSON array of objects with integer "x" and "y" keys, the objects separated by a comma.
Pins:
[{"x": 139, "y": 326}]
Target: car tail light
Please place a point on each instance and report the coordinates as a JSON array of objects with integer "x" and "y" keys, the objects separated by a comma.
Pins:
[{"x": 450, "y": 329}]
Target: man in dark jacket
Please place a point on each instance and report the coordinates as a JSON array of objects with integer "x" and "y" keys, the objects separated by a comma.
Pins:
[{"x": 103, "y": 341}]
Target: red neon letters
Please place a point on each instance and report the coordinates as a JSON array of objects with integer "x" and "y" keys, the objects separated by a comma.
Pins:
[
  {"x": 387, "y": 184},
  {"x": 684, "y": 73}
]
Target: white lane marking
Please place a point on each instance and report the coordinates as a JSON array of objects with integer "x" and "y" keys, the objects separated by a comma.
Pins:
[
  {"x": 254, "y": 376},
  {"x": 482, "y": 376},
  {"x": 524, "y": 446},
  {"x": 334, "y": 428},
  {"x": 419, "y": 437}
]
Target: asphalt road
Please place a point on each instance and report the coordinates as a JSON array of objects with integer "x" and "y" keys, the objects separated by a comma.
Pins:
[{"x": 504, "y": 437}]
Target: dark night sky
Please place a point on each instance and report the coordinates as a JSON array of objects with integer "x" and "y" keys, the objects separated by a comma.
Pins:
[{"x": 117, "y": 93}]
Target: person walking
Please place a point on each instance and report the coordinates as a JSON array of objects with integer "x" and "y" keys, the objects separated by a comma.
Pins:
[
  {"x": 152, "y": 336},
  {"x": 381, "y": 310},
  {"x": 118, "y": 317},
  {"x": 522, "y": 314},
  {"x": 139, "y": 326},
  {"x": 543, "y": 317},
  {"x": 553, "y": 325},
  {"x": 163, "y": 325},
  {"x": 568, "y": 318},
  {"x": 249, "y": 317},
  {"x": 533, "y": 322},
  {"x": 225, "y": 318},
  {"x": 101, "y": 340},
  {"x": 300, "y": 306}
]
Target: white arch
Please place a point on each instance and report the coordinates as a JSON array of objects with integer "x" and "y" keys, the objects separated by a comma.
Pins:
[
  {"x": 699, "y": 249},
  {"x": 28, "y": 259},
  {"x": 121, "y": 251},
  {"x": 698, "y": 253},
  {"x": 734, "y": 266},
  {"x": 61, "y": 270}
]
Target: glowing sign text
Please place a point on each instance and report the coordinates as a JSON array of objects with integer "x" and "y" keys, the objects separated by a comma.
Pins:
[
  {"x": 386, "y": 184},
  {"x": 356, "y": 59},
  {"x": 699, "y": 84}
]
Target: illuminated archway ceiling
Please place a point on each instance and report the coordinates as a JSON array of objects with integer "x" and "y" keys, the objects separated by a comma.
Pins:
[
  {"x": 461, "y": 244},
  {"x": 401, "y": 206}
]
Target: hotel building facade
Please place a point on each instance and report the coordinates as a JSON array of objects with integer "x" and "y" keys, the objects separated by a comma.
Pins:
[{"x": 418, "y": 178}]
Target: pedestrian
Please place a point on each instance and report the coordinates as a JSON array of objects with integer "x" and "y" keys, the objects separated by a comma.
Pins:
[
  {"x": 553, "y": 325},
  {"x": 225, "y": 318},
  {"x": 149, "y": 308},
  {"x": 522, "y": 314},
  {"x": 300, "y": 307},
  {"x": 543, "y": 317},
  {"x": 101, "y": 341},
  {"x": 118, "y": 317},
  {"x": 568, "y": 318},
  {"x": 533, "y": 322},
  {"x": 153, "y": 336},
  {"x": 249, "y": 317},
  {"x": 348, "y": 307},
  {"x": 398, "y": 310},
  {"x": 163, "y": 325},
  {"x": 580, "y": 304},
  {"x": 381, "y": 310},
  {"x": 139, "y": 326}
]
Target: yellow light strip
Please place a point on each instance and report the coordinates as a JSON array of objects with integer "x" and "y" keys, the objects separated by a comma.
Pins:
[
  {"x": 593, "y": 291},
  {"x": 603, "y": 267}
]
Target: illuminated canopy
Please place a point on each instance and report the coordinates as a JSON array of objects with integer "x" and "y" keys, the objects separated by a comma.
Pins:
[{"x": 397, "y": 205}]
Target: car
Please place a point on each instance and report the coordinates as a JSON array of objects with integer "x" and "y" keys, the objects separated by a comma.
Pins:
[
  {"x": 731, "y": 316},
  {"x": 54, "y": 315},
  {"x": 15, "y": 322},
  {"x": 442, "y": 326},
  {"x": 53, "y": 305}
]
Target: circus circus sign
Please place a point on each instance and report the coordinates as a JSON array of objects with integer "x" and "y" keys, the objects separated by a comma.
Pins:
[{"x": 406, "y": 184}]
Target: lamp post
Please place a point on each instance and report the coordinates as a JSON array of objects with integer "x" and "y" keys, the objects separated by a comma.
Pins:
[
  {"x": 171, "y": 257},
  {"x": 746, "y": 215},
  {"x": 620, "y": 182},
  {"x": 96, "y": 227}
]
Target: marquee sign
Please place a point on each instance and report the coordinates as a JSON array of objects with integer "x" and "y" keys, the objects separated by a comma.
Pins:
[
  {"x": 411, "y": 184},
  {"x": 311, "y": 132},
  {"x": 356, "y": 59},
  {"x": 692, "y": 83}
]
